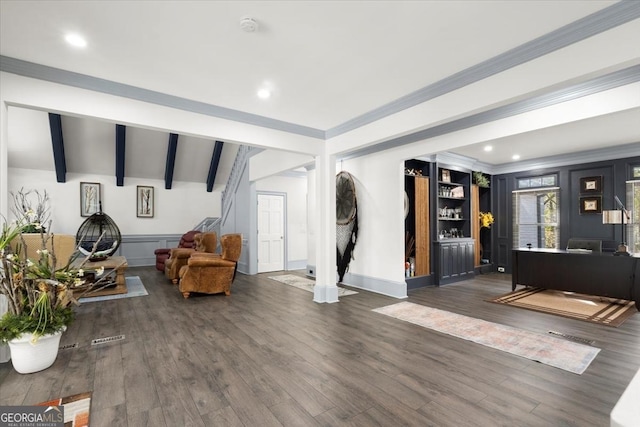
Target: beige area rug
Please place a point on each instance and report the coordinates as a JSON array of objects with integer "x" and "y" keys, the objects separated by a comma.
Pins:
[
  {"x": 306, "y": 284},
  {"x": 566, "y": 355},
  {"x": 76, "y": 409},
  {"x": 605, "y": 311}
]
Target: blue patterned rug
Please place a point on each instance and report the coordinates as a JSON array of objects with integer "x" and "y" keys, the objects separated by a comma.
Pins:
[{"x": 135, "y": 288}]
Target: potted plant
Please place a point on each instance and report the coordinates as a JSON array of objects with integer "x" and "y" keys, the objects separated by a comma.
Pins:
[
  {"x": 40, "y": 298},
  {"x": 32, "y": 214},
  {"x": 481, "y": 180}
]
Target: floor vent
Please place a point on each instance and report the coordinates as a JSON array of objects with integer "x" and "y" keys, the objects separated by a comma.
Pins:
[
  {"x": 573, "y": 338},
  {"x": 69, "y": 346},
  {"x": 106, "y": 340}
]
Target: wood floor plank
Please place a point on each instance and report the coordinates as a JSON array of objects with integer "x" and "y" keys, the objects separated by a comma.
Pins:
[
  {"x": 108, "y": 384},
  {"x": 139, "y": 385},
  {"x": 268, "y": 355},
  {"x": 108, "y": 416},
  {"x": 290, "y": 414},
  {"x": 150, "y": 418}
]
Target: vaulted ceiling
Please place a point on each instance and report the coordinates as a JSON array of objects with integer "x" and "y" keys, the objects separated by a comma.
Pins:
[{"x": 330, "y": 67}]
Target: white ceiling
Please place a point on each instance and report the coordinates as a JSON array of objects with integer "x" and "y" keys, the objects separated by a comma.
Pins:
[{"x": 325, "y": 62}]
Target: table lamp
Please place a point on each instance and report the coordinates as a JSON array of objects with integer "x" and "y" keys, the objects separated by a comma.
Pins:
[{"x": 618, "y": 216}]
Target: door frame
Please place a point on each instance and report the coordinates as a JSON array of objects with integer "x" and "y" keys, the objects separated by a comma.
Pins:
[{"x": 285, "y": 260}]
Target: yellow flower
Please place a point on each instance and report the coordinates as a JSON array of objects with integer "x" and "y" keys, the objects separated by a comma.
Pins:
[{"x": 486, "y": 219}]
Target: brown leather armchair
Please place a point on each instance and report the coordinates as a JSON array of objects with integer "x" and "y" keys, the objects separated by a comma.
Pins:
[
  {"x": 162, "y": 254},
  {"x": 203, "y": 242},
  {"x": 212, "y": 273}
]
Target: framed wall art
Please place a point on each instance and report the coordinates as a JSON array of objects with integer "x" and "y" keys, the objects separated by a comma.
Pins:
[
  {"x": 89, "y": 198},
  {"x": 592, "y": 184},
  {"x": 591, "y": 204},
  {"x": 145, "y": 201},
  {"x": 446, "y": 175}
]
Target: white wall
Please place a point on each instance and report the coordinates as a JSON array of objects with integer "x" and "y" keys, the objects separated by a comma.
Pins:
[
  {"x": 176, "y": 211},
  {"x": 311, "y": 221},
  {"x": 379, "y": 251},
  {"x": 378, "y": 257},
  {"x": 271, "y": 162},
  {"x": 296, "y": 191}
]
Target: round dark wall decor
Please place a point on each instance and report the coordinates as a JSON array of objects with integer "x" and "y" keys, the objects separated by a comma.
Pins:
[{"x": 346, "y": 221}]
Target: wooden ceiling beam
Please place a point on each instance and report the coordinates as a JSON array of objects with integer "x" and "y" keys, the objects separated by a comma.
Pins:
[
  {"x": 171, "y": 160},
  {"x": 213, "y": 167},
  {"x": 121, "y": 131},
  {"x": 55, "y": 124}
]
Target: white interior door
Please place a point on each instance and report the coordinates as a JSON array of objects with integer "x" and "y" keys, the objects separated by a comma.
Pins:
[{"x": 270, "y": 232}]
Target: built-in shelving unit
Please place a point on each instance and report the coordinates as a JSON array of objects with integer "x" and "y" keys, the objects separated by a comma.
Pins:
[
  {"x": 453, "y": 210},
  {"x": 442, "y": 223},
  {"x": 481, "y": 202},
  {"x": 417, "y": 219},
  {"x": 454, "y": 248}
]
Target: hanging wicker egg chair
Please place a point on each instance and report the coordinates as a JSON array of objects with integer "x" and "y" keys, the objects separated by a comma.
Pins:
[{"x": 98, "y": 224}]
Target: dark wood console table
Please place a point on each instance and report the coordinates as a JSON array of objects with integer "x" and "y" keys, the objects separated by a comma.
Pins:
[{"x": 599, "y": 274}]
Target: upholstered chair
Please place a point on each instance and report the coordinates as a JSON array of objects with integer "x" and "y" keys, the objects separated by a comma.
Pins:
[
  {"x": 204, "y": 242},
  {"x": 212, "y": 274},
  {"x": 162, "y": 254}
]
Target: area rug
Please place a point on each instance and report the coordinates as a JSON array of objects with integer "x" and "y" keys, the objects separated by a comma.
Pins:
[
  {"x": 135, "y": 288},
  {"x": 567, "y": 355},
  {"x": 76, "y": 409},
  {"x": 605, "y": 311},
  {"x": 306, "y": 284}
]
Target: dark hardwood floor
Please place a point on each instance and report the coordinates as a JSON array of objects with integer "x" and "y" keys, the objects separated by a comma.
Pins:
[{"x": 268, "y": 355}]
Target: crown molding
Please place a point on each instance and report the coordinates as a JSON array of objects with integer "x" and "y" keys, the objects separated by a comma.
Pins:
[
  {"x": 598, "y": 22},
  {"x": 83, "y": 81},
  {"x": 590, "y": 156},
  {"x": 610, "y": 81}
]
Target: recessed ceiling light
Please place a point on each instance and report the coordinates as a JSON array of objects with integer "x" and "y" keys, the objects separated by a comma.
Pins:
[
  {"x": 75, "y": 40},
  {"x": 264, "y": 93},
  {"x": 515, "y": 156},
  {"x": 488, "y": 148}
]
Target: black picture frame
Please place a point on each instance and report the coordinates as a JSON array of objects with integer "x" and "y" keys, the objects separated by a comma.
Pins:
[
  {"x": 145, "y": 201},
  {"x": 591, "y": 184},
  {"x": 591, "y": 205},
  {"x": 90, "y": 198}
]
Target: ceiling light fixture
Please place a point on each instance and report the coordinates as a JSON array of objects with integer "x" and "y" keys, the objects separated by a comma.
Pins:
[
  {"x": 488, "y": 148},
  {"x": 264, "y": 93},
  {"x": 75, "y": 40},
  {"x": 516, "y": 157},
  {"x": 248, "y": 24}
]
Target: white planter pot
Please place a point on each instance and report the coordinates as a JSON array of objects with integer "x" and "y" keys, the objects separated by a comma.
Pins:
[{"x": 28, "y": 357}]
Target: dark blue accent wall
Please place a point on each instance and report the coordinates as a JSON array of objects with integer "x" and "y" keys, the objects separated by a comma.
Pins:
[{"x": 573, "y": 224}]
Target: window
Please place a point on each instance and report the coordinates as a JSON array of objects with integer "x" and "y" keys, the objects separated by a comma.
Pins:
[
  {"x": 535, "y": 218},
  {"x": 633, "y": 206},
  {"x": 537, "y": 181}
]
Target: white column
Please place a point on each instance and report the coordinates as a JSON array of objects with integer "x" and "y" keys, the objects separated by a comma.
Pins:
[
  {"x": 5, "y": 355},
  {"x": 325, "y": 289}
]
